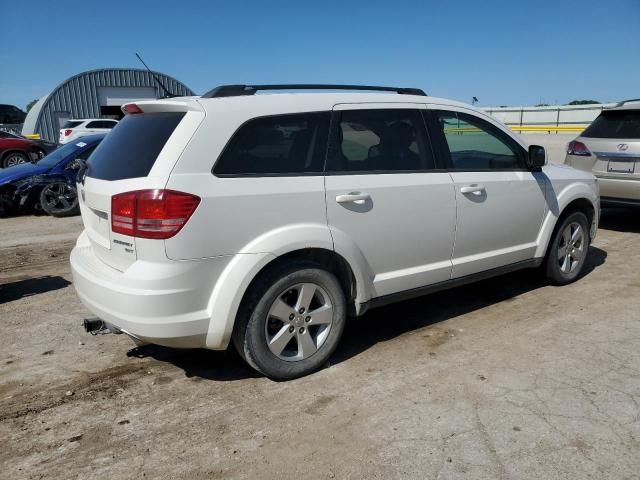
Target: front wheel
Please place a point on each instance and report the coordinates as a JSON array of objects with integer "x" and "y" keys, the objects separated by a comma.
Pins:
[
  {"x": 291, "y": 322},
  {"x": 14, "y": 158},
  {"x": 568, "y": 249},
  {"x": 59, "y": 200}
]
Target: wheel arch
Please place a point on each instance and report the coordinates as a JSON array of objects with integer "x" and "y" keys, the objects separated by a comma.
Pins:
[{"x": 577, "y": 197}]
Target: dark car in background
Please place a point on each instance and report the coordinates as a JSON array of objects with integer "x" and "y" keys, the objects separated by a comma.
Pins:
[
  {"x": 50, "y": 183},
  {"x": 16, "y": 149},
  {"x": 10, "y": 114}
]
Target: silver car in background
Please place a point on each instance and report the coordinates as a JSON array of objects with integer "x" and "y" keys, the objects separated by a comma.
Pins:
[{"x": 610, "y": 149}]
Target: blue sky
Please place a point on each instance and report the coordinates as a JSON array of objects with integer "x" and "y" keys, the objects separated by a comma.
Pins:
[{"x": 503, "y": 52}]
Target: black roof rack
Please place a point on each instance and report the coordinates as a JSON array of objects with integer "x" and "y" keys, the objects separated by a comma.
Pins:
[
  {"x": 239, "y": 90},
  {"x": 627, "y": 101}
]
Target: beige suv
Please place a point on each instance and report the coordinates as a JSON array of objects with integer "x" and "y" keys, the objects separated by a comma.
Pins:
[{"x": 610, "y": 149}]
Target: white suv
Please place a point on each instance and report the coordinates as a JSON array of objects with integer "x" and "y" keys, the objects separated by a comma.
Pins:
[
  {"x": 269, "y": 219},
  {"x": 82, "y": 127}
]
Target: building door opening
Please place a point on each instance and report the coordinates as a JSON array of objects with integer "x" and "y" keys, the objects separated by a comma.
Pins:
[{"x": 112, "y": 111}]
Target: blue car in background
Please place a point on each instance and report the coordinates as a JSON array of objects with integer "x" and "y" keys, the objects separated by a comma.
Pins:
[{"x": 49, "y": 184}]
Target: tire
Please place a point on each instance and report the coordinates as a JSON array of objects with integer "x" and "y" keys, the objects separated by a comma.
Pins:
[
  {"x": 14, "y": 158},
  {"x": 568, "y": 249},
  {"x": 267, "y": 324},
  {"x": 59, "y": 200}
]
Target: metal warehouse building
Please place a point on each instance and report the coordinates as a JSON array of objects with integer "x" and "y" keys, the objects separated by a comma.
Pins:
[{"x": 96, "y": 94}]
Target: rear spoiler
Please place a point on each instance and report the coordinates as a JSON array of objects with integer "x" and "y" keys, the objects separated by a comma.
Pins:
[{"x": 183, "y": 104}]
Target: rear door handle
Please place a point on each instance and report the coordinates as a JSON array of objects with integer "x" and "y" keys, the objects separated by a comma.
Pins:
[
  {"x": 354, "y": 197},
  {"x": 473, "y": 188}
]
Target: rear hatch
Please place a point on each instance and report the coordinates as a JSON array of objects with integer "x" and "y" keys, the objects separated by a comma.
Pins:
[
  {"x": 138, "y": 154},
  {"x": 614, "y": 139}
]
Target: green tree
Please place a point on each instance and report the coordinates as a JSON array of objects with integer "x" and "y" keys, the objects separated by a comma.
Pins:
[
  {"x": 582, "y": 102},
  {"x": 31, "y": 104}
]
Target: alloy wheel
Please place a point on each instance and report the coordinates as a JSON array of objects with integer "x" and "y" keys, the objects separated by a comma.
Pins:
[
  {"x": 571, "y": 248},
  {"x": 298, "y": 322},
  {"x": 59, "y": 197},
  {"x": 14, "y": 160}
]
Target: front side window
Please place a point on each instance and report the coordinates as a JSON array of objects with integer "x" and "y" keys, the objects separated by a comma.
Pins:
[
  {"x": 475, "y": 144},
  {"x": 384, "y": 140},
  {"x": 277, "y": 145}
]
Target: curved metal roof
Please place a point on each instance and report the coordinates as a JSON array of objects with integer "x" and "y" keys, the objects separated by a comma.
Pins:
[{"x": 79, "y": 96}]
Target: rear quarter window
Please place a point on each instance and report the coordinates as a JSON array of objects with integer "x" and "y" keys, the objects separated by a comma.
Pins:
[
  {"x": 291, "y": 144},
  {"x": 132, "y": 147},
  {"x": 71, "y": 124},
  {"x": 623, "y": 124}
]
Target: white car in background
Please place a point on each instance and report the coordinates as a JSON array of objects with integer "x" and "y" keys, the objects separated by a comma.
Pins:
[{"x": 82, "y": 127}]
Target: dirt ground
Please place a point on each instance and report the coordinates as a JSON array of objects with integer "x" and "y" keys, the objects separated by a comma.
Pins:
[{"x": 508, "y": 378}]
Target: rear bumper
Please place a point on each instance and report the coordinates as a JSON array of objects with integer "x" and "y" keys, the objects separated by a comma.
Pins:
[
  {"x": 162, "y": 303},
  {"x": 622, "y": 189}
]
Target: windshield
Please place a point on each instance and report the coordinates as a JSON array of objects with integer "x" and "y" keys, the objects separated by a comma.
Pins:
[{"x": 61, "y": 153}]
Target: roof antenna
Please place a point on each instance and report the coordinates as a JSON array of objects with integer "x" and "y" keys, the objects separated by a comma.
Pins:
[{"x": 167, "y": 93}]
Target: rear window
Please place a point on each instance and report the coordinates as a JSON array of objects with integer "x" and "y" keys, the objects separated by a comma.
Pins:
[
  {"x": 615, "y": 124},
  {"x": 71, "y": 124},
  {"x": 131, "y": 149}
]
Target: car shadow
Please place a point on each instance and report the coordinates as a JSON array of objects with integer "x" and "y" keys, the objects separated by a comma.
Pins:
[
  {"x": 384, "y": 323},
  {"x": 620, "y": 219},
  {"x": 31, "y": 286}
]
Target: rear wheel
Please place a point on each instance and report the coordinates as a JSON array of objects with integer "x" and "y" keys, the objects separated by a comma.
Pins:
[
  {"x": 59, "y": 200},
  {"x": 14, "y": 158},
  {"x": 568, "y": 249},
  {"x": 291, "y": 322}
]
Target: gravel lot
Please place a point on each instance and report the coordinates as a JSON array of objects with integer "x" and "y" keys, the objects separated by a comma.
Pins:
[{"x": 508, "y": 378}]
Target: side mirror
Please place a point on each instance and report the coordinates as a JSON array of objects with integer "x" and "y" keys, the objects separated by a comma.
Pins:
[
  {"x": 537, "y": 157},
  {"x": 75, "y": 164}
]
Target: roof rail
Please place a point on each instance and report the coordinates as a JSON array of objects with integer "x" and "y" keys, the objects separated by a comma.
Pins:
[
  {"x": 239, "y": 90},
  {"x": 627, "y": 101}
]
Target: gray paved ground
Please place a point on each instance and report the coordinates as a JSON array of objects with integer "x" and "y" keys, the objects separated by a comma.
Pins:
[{"x": 508, "y": 378}]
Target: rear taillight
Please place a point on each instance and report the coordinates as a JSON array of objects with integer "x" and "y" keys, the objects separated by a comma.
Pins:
[
  {"x": 578, "y": 148},
  {"x": 67, "y": 132},
  {"x": 151, "y": 213}
]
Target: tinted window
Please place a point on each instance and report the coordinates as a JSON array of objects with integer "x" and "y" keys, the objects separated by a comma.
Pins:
[
  {"x": 381, "y": 140},
  {"x": 131, "y": 149},
  {"x": 475, "y": 144},
  {"x": 281, "y": 144},
  {"x": 71, "y": 124},
  {"x": 107, "y": 124},
  {"x": 97, "y": 124},
  {"x": 615, "y": 124}
]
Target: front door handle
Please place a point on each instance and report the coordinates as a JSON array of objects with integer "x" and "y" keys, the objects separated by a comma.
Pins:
[
  {"x": 353, "y": 197},
  {"x": 473, "y": 188}
]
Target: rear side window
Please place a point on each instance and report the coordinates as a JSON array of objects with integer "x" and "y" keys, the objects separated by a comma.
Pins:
[
  {"x": 615, "y": 124},
  {"x": 277, "y": 145},
  {"x": 131, "y": 149},
  {"x": 385, "y": 140},
  {"x": 71, "y": 124}
]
